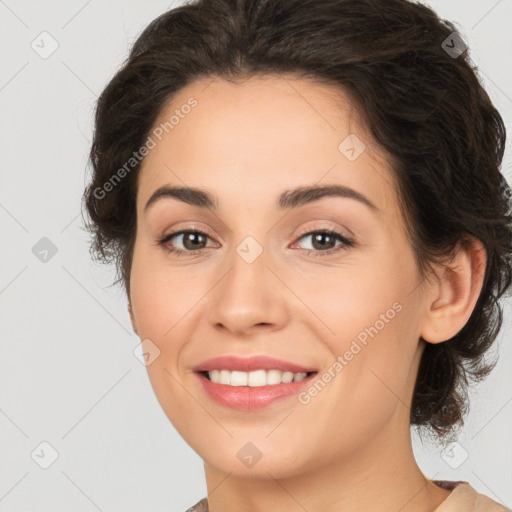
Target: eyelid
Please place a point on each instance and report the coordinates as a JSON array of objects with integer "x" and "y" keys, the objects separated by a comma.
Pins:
[
  {"x": 188, "y": 228},
  {"x": 322, "y": 227}
]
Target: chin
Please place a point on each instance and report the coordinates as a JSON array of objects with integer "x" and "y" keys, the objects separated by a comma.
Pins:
[{"x": 246, "y": 459}]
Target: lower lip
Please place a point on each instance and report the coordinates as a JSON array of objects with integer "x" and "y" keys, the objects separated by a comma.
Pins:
[{"x": 250, "y": 398}]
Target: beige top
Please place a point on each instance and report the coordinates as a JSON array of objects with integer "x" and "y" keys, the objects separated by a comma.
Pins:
[{"x": 463, "y": 498}]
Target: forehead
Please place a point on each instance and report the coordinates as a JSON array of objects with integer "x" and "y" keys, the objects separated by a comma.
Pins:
[{"x": 256, "y": 137}]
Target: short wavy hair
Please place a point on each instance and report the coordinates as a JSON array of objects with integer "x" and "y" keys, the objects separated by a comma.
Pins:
[{"x": 426, "y": 108}]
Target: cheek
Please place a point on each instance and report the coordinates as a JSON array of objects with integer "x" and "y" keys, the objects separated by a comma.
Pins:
[
  {"x": 162, "y": 301},
  {"x": 367, "y": 396},
  {"x": 369, "y": 386},
  {"x": 162, "y": 296},
  {"x": 372, "y": 322},
  {"x": 348, "y": 299}
]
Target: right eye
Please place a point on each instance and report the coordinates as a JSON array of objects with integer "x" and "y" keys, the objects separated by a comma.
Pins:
[{"x": 190, "y": 238}]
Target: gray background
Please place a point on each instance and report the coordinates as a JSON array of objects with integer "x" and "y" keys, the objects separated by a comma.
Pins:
[{"x": 68, "y": 373}]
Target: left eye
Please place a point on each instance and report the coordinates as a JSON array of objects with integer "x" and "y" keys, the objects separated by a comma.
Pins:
[
  {"x": 321, "y": 239},
  {"x": 324, "y": 238}
]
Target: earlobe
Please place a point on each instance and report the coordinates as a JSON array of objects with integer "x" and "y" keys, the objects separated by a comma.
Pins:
[
  {"x": 132, "y": 319},
  {"x": 455, "y": 293}
]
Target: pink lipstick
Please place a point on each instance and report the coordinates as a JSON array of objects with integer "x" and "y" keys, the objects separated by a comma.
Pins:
[{"x": 251, "y": 383}]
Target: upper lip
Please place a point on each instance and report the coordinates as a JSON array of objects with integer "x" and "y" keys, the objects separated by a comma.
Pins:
[{"x": 247, "y": 364}]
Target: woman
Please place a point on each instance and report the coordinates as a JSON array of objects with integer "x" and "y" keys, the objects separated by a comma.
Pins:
[{"x": 304, "y": 203}]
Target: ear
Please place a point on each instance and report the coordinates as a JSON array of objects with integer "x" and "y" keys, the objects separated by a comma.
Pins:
[
  {"x": 132, "y": 319},
  {"x": 452, "y": 298}
]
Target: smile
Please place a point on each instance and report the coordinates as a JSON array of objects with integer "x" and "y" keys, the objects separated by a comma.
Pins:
[
  {"x": 247, "y": 397},
  {"x": 256, "y": 378}
]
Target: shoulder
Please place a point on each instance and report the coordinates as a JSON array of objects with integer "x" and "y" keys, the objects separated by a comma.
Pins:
[
  {"x": 200, "y": 506},
  {"x": 465, "y": 498}
]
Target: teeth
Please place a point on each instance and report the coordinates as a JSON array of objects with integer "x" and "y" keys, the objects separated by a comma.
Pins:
[{"x": 256, "y": 378}]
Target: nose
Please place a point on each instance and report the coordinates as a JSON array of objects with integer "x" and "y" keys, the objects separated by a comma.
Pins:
[{"x": 248, "y": 298}]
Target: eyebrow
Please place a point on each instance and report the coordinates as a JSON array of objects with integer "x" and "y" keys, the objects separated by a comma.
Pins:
[{"x": 288, "y": 199}]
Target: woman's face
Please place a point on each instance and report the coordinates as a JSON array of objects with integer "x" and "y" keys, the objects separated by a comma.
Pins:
[{"x": 262, "y": 280}]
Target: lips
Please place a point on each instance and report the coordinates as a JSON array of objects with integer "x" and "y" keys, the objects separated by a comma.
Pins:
[
  {"x": 246, "y": 398},
  {"x": 248, "y": 364}
]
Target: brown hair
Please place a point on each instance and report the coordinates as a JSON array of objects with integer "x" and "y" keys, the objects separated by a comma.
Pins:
[{"x": 425, "y": 107}]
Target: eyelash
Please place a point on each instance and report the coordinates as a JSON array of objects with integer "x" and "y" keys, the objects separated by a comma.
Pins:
[{"x": 346, "y": 242}]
